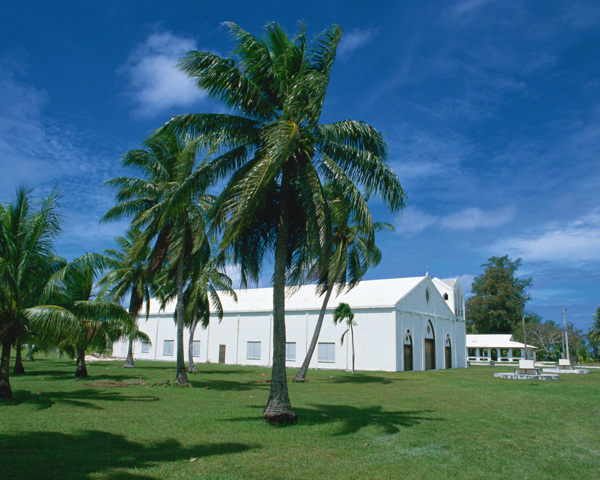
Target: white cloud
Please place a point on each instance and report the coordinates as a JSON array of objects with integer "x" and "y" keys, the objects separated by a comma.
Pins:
[
  {"x": 468, "y": 6},
  {"x": 155, "y": 85},
  {"x": 575, "y": 242},
  {"x": 354, "y": 40},
  {"x": 473, "y": 218},
  {"x": 413, "y": 221}
]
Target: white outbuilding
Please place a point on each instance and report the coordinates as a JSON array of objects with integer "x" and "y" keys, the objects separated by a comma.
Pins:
[
  {"x": 402, "y": 324},
  {"x": 497, "y": 347}
]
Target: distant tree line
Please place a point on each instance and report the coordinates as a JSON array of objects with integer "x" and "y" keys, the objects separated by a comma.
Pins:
[{"x": 498, "y": 306}]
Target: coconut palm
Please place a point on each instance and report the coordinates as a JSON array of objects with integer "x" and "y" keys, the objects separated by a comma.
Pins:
[
  {"x": 168, "y": 205},
  {"x": 594, "y": 332},
  {"x": 342, "y": 313},
  {"x": 353, "y": 252},
  {"x": 129, "y": 275},
  {"x": 27, "y": 261},
  {"x": 78, "y": 320},
  {"x": 206, "y": 285},
  {"x": 277, "y": 155}
]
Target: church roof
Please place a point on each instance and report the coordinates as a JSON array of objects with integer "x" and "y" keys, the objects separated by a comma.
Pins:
[
  {"x": 497, "y": 340},
  {"x": 367, "y": 294}
]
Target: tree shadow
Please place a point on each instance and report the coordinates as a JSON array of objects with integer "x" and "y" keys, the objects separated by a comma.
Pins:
[
  {"x": 85, "y": 398},
  {"x": 361, "y": 378},
  {"x": 79, "y": 456},
  {"x": 218, "y": 372},
  {"x": 225, "y": 385},
  {"x": 350, "y": 419}
]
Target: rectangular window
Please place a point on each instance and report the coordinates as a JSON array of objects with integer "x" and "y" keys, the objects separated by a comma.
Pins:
[
  {"x": 145, "y": 347},
  {"x": 253, "y": 351},
  {"x": 290, "y": 351},
  {"x": 327, "y": 352},
  {"x": 168, "y": 347},
  {"x": 196, "y": 348}
]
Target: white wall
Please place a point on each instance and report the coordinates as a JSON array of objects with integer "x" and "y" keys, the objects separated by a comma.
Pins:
[{"x": 378, "y": 335}]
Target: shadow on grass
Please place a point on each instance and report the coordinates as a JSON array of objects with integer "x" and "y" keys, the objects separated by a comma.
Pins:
[
  {"x": 224, "y": 385},
  {"x": 350, "y": 420},
  {"x": 53, "y": 455},
  {"x": 360, "y": 379},
  {"x": 85, "y": 398},
  {"x": 49, "y": 375}
]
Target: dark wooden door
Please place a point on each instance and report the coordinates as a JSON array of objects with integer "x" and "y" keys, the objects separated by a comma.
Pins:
[
  {"x": 448, "y": 357},
  {"x": 408, "y": 358},
  {"x": 429, "y": 354},
  {"x": 221, "y": 353}
]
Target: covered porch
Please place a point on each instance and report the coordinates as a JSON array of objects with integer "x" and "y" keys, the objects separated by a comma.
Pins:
[{"x": 497, "y": 348}]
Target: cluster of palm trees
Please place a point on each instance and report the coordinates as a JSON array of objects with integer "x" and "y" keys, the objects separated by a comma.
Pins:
[
  {"x": 43, "y": 299},
  {"x": 293, "y": 195}
]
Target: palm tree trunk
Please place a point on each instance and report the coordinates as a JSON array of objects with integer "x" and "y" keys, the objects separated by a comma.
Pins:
[
  {"x": 135, "y": 303},
  {"x": 5, "y": 390},
  {"x": 81, "y": 371},
  {"x": 352, "y": 334},
  {"x": 181, "y": 377},
  {"x": 191, "y": 367},
  {"x": 19, "y": 368},
  {"x": 301, "y": 375},
  {"x": 129, "y": 360},
  {"x": 30, "y": 356},
  {"x": 279, "y": 409}
]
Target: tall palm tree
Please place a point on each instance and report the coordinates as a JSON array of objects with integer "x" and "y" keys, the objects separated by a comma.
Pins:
[
  {"x": 342, "y": 313},
  {"x": 594, "y": 332},
  {"x": 78, "y": 320},
  {"x": 27, "y": 261},
  {"x": 129, "y": 275},
  {"x": 277, "y": 155},
  {"x": 168, "y": 205},
  {"x": 353, "y": 252}
]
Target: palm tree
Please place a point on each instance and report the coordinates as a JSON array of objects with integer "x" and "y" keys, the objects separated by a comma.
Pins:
[
  {"x": 206, "y": 284},
  {"x": 343, "y": 312},
  {"x": 594, "y": 332},
  {"x": 129, "y": 274},
  {"x": 169, "y": 205},
  {"x": 353, "y": 253},
  {"x": 278, "y": 155},
  {"x": 78, "y": 320},
  {"x": 27, "y": 261}
]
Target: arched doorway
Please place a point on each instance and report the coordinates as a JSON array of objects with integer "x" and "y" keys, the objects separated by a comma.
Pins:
[
  {"x": 448, "y": 352},
  {"x": 408, "y": 352},
  {"x": 429, "y": 347}
]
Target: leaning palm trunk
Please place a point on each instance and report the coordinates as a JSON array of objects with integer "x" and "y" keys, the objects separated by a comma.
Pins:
[
  {"x": 352, "y": 335},
  {"x": 129, "y": 360},
  {"x": 135, "y": 304},
  {"x": 5, "y": 390},
  {"x": 181, "y": 377},
  {"x": 30, "y": 355},
  {"x": 279, "y": 409},
  {"x": 301, "y": 375},
  {"x": 19, "y": 368},
  {"x": 81, "y": 371},
  {"x": 191, "y": 367}
]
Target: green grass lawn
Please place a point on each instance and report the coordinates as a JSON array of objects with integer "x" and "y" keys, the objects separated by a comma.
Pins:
[{"x": 461, "y": 424}]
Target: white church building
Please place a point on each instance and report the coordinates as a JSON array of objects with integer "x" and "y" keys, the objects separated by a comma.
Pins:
[{"x": 403, "y": 324}]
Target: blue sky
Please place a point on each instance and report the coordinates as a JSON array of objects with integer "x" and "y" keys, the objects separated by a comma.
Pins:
[{"x": 491, "y": 111}]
